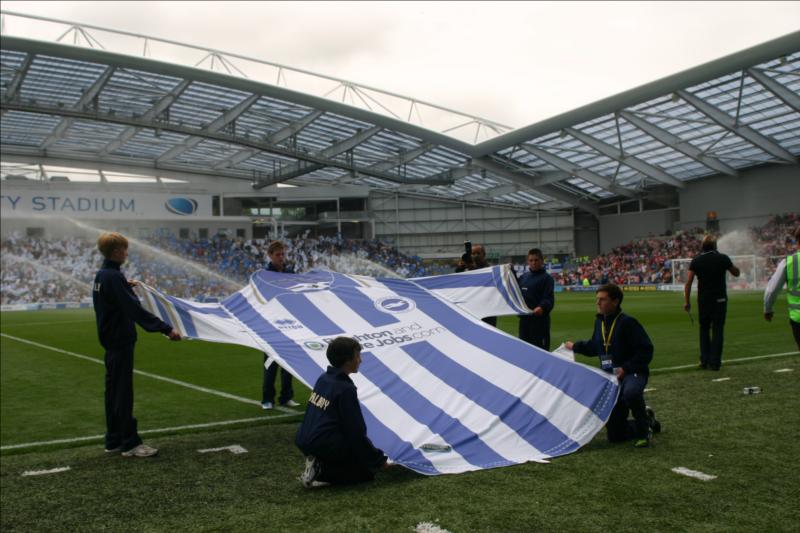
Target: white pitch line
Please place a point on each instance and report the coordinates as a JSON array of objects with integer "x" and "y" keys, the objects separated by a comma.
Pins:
[
  {"x": 149, "y": 375},
  {"x": 693, "y": 473},
  {"x": 45, "y": 472},
  {"x": 429, "y": 527},
  {"x": 768, "y": 356},
  {"x": 235, "y": 449},
  {"x": 651, "y": 389},
  {"x": 56, "y": 323},
  {"x": 784, "y": 370},
  {"x": 145, "y": 432},
  {"x": 720, "y": 379}
]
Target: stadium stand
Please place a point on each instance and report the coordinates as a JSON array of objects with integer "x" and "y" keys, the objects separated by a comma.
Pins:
[{"x": 58, "y": 270}]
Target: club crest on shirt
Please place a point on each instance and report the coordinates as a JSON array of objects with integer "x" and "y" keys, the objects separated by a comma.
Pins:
[
  {"x": 395, "y": 304},
  {"x": 297, "y": 283}
]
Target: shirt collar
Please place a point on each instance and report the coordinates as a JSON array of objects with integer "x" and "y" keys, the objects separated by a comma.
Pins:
[
  {"x": 108, "y": 263},
  {"x": 336, "y": 372}
]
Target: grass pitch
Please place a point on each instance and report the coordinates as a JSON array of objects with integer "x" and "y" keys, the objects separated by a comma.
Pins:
[{"x": 748, "y": 442}]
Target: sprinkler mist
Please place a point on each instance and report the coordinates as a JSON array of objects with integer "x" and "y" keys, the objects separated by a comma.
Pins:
[
  {"x": 38, "y": 265},
  {"x": 167, "y": 257}
]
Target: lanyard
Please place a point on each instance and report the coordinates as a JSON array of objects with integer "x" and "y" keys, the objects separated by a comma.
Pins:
[{"x": 607, "y": 340}]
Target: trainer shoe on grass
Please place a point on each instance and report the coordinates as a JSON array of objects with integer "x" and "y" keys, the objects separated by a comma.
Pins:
[
  {"x": 266, "y": 405},
  {"x": 114, "y": 450},
  {"x": 309, "y": 475},
  {"x": 645, "y": 442},
  {"x": 291, "y": 403},
  {"x": 142, "y": 450},
  {"x": 655, "y": 425}
]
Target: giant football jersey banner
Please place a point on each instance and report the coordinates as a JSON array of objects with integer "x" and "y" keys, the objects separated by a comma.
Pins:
[{"x": 441, "y": 391}]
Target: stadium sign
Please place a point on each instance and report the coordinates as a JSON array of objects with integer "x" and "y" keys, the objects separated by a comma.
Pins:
[{"x": 89, "y": 204}]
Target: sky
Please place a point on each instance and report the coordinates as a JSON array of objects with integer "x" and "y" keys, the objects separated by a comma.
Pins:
[{"x": 516, "y": 63}]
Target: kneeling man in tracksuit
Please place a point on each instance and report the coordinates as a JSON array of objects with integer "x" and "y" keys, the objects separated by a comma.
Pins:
[
  {"x": 333, "y": 435},
  {"x": 626, "y": 351}
]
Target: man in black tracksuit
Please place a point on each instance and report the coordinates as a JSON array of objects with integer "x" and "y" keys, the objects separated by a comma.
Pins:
[
  {"x": 116, "y": 309},
  {"x": 333, "y": 435},
  {"x": 712, "y": 299},
  {"x": 537, "y": 290},
  {"x": 626, "y": 351}
]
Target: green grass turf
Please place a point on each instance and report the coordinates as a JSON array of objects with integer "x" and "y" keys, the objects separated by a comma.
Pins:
[{"x": 748, "y": 441}]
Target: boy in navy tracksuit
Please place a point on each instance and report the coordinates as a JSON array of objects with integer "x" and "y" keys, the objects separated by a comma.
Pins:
[
  {"x": 333, "y": 435},
  {"x": 116, "y": 309},
  {"x": 626, "y": 351},
  {"x": 276, "y": 251},
  {"x": 537, "y": 289}
]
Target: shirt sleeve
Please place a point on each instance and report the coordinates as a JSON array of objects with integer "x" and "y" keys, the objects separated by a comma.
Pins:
[
  {"x": 728, "y": 262},
  {"x": 355, "y": 431},
  {"x": 640, "y": 345},
  {"x": 588, "y": 348},
  {"x": 774, "y": 286},
  {"x": 132, "y": 307},
  {"x": 548, "y": 300}
]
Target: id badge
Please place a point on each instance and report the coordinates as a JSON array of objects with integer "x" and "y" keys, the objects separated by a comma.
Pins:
[{"x": 605, "y": 362}]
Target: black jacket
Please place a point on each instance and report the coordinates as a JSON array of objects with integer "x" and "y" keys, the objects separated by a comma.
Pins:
[
  {"x": 537, "y": 290},
  {"x": 286, "y": 269},
  {"x": 630, "y": 346},
  {"x": 116, "y": 308},
  {"x": 333, "y": 425}
]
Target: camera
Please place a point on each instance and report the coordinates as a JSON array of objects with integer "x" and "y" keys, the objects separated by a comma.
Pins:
[{"x": 466, "y": 257}]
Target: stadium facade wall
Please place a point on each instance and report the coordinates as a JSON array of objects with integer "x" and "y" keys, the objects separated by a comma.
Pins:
[
  {"x": 438, "y": 229},
  {"x": 623, "y": 228},
  {"x": 587, "y": 231},
  {"x": 748, "y": 199}
]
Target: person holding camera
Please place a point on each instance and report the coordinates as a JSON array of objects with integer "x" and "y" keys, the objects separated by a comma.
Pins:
[
  {"x": 537, "y": 289},
  {"x": 473, "y": 258}
]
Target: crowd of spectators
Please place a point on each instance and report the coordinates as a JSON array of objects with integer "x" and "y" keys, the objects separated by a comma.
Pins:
[
  {"x": 640, "y": 261},
  {"x": 775, "y": 236},
  {"x": 649, "y": 260},
  {"x": 58, "y": 270}
]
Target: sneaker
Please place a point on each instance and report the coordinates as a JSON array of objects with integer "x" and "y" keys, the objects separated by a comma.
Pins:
[
  {"x": 267, "y": 405},
  {"x": 309, "y": 475},
  {"x": 645, "y": 442},
  {"x": 142, "y": 450},
  {"x": 114, "y": 450},
  {"x": 655, "y": 425},
  {"x": 291, "y": 403}
]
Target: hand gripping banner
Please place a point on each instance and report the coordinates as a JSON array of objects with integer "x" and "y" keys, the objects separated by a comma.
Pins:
[{"x": 441, "y": 391}]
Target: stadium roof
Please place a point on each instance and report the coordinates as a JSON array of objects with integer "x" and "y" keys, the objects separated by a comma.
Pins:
[{"x": 80, "y": 106}]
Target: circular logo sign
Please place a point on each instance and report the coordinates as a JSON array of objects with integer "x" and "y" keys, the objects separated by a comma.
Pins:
[
  {"x": 395, "y": 304},
  {"x": 314, "y": 345},
  {"x": 181, "y": 206}
]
